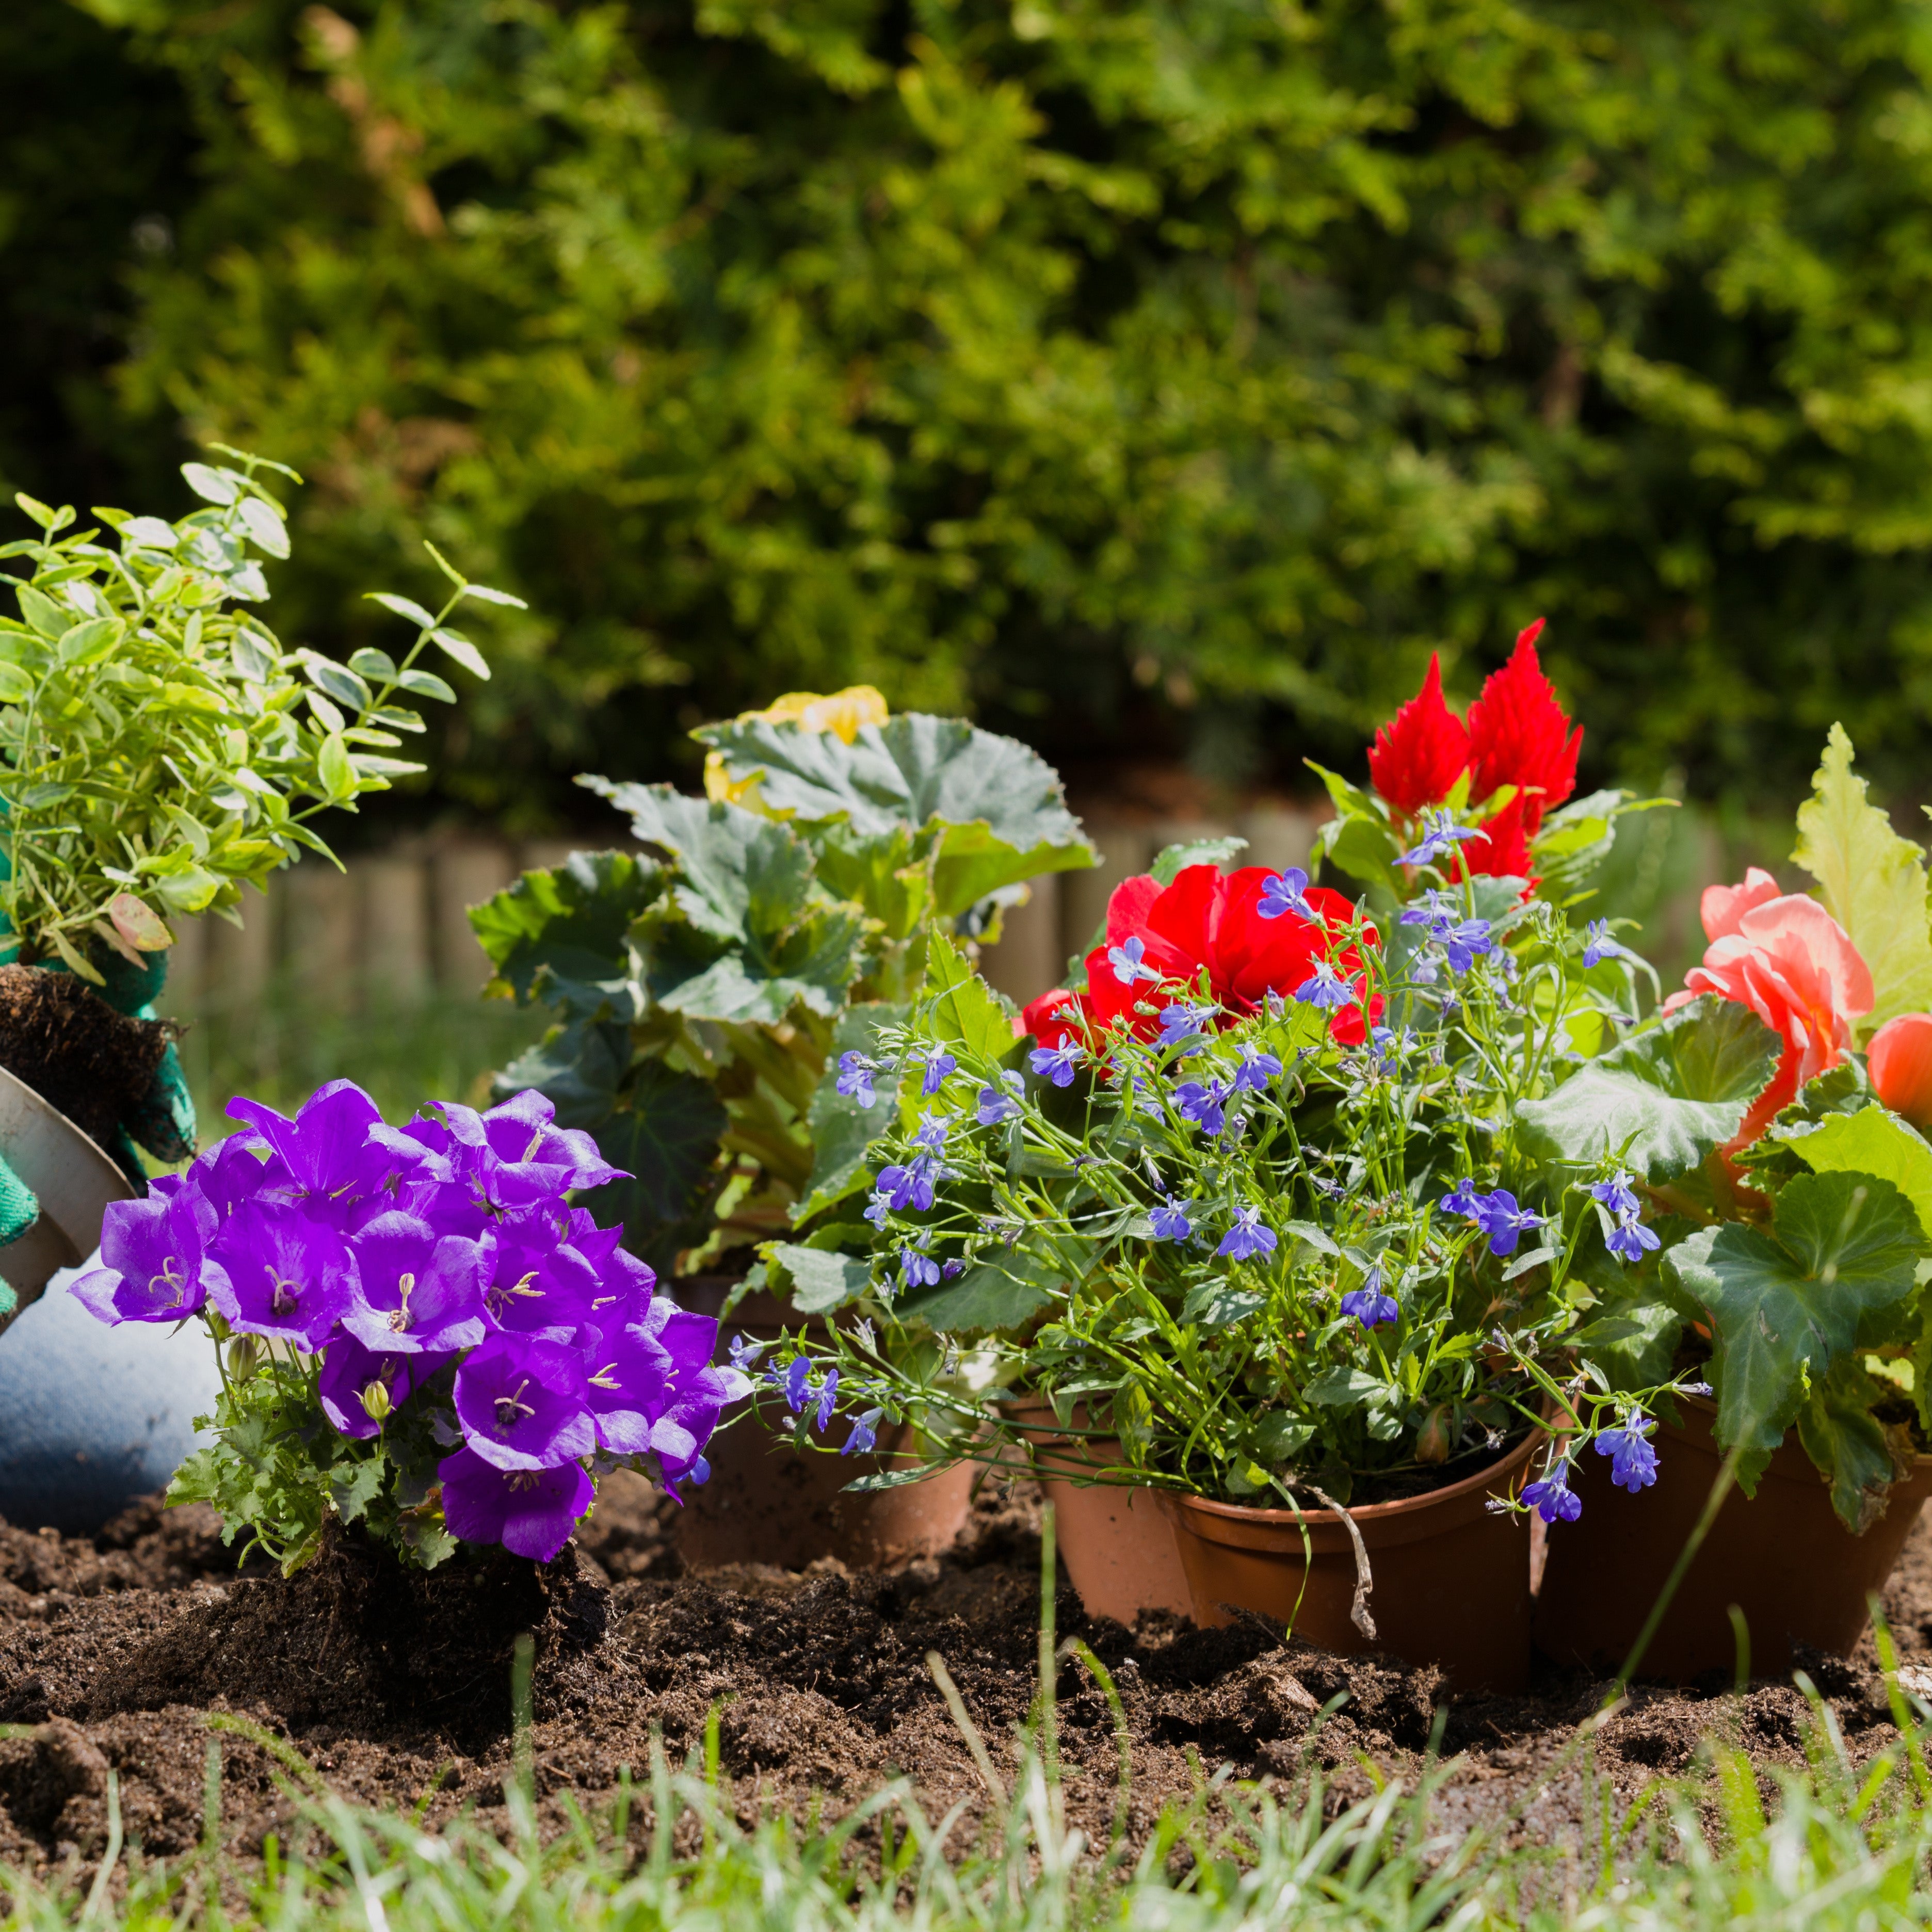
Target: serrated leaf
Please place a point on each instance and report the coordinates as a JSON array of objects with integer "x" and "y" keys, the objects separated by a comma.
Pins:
[
  {"x": 667, "y": 1133},
  {"x": 1662, "y": 1099},
  {"x": 1873, "y": 883},
  {"x": 1862, "y": 1458},
  {"x": 821, "y": 1282},
  {"x": 1787, "y": 1300},
  {"x": 1871, "y": 1142},
  {"x": 962, "y": 1009},
  {"x": 1172, "y": 860},
  {"x": 558, "y": 935}
]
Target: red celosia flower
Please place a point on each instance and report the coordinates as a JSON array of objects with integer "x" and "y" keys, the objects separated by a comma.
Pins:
[
  {"x": 1205, "y": 920},
  {"x": 1421, "y": 752},
  {"x": 1502, "y": 852},
  {"x": 1518, "y": 735}
]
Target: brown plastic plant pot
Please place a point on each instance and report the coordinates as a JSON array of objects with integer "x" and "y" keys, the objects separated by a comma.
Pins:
[
  {"x": 769, "y": 1502},
  {"x": 73, "y": 1179},
  {"x": 1450, "y": 1577},
  {"x": 1116, "y": 1540},
  {"x": 1799, "y": 1575}
]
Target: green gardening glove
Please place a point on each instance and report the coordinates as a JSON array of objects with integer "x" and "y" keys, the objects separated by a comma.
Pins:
[{"x": 163, "y": 1121}]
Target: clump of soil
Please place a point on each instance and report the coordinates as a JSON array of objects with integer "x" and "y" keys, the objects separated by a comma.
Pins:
[
  {"x": 116, "y": 1650},
  {"x": 60, "y": 1037}
]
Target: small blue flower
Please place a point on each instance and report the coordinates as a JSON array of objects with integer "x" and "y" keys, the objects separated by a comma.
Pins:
[
  {"x": 1618, "y": 1194},
  {"x": 1179, "y": 1020},
  {"x": 1205, "y": 1106},
  {"x": 1285, "y": 891},
  {"x": 1504, "y": 1223},
  {"x": 1599, "y": 946},
  {"x": 855, "y": 1078},
  {"x": 1248, "y": 1237},
  {"x": 827, "y": 1390},
  {"x": 1325, "y": 987},
  {"x": 917, "y": 1270},
  {"x": 1433, "y": 907},
  {"x": 908, "y": 1184},
  {"x": 932, "y": 1132},
  {"x": 1552, "y": 1498},
  {"x": 1465, "y": 942},
  {"x": 1462, "y": 1199},
  {"x": 1170, "y": 1220},
  {"x": 1128, "y": 960},
  {"x": 938, "y": 1064},
  {"x": 1057, "y": 1062},
  {"x": 880, "y": 1206},
  {"x": 865, "y": 1436},
  {"x": 1631, "y": 1241},
  {"x": 1256, "y": 1070},
  {"x": 792, "y": 1379},
  {"x": 1633, "y": 1460},
  {"x": 745, "y": 1354},
  {"x": 1369, "y": 1305},
  {"x": 1440, "y": 834},
  {"x": 995, "y": 1107}
]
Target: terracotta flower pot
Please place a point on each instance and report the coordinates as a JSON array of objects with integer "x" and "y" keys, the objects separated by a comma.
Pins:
[
  {"x": 1115, "y": 1540},
  {"x": 1451, "y": 1580},
  {"x": 1783, "y": 1557},
  {"x": 767, "y": 1502}
]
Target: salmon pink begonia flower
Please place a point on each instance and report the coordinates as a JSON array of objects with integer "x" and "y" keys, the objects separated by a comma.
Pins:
[
  {"x": 1900, "y": 1060},
  {"x": 1785, "y": 957}
]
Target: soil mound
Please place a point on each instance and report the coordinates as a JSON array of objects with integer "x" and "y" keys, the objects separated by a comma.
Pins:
[{"x": 60, "y": 1037}]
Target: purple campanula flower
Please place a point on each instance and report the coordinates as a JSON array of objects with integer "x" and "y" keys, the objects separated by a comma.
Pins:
[
  {"x": 1285, "y": 891},
  {"x": 828, "y": 1392},
  {"x": 1205, "y": 1106},
  {"x": 420, "y": 1290},
  {"x": 1256, "y": 1070},
  {"x": 152, "y": 1259},
  {"x": 628, "y": 1389},
  {"x": 515, "y": 1157},
  {"x": 1633, "y": 1460},
  {"x": 626, "y": 1287},
  {"x": 1170, "y": 1220},
  {"x": 285, "y": 1274},
  {"x": 937, "y": 1064},
  {"x": 1552, "y": 1498},
  {"x": 855, "y": 1079},
  {"x": 1057, "y": 1063},
  {"x": 1369, "y": 1305},
  {"x": 524, "y": 1404},
  {"x": 1631, "y": 1241},
  {"x": 1441, "y": 834},
  {"x": 1324, "y": 987},
  {"x": 697, "y": 1397},
  {"x": 239, "y": 1170},
  {"x": 326, "y": 1148},
  {"x": 1128, "y": 963},
  {"x": 1179, "y": 1021},
  {"x": 537, "y": 1286},
  {"x": 865, "y": 1436},
  {"x": 350, "y": 1376},
  {"x": 1247, "y": 1237},
  {"x": 530, "y": 1512},
  {"x": 1499, "y": 1217}
]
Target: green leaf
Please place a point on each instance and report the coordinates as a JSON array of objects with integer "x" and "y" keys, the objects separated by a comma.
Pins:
[
  {"x": 1786, "y": 1300},
  {"x": 840, "y": 1129},
  {"x": 403, "y": 606},
  {"x": 666, "y": 1132},
  {"x": 1871, "y": 1142},
  {"x": 1842, "y": 1436},
  {"x": 424, "y": 684},
  {"x": 821, "y": 1283},
  {"x": 213, "y": 486},
  {"x": 963, "y": 1010},
  {"x": 879, "y": 872},
  {"x": 259, "y": 519},
  {"x": 1000, "y": 802},
  {"x": 1662, "y": 1099},
  {"x": 1172, "y": 860},
  {"x": 334, "y": 768},
  {"x": 87, "y": 643},
  {"x": 1218, "y": 1304},
  {"x": 455, "y": 645},
  {"x": 16, "y": 685},
  {"x": 1342, "y": 1387},
  {"x": 370, "y": 663},
  {"x": 560, "y": 935},
  {"x": 1002, "y": 1290},
  {"x": 1873, "y": 883},
  {"x": 50, "y": 618}
]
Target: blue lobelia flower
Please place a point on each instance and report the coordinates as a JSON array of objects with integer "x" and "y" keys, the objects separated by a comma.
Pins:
[
  {"x": 1552, "y": 1498},
  {"x": 1465, "y": 942},
  {"x": 1441, "y": 834},
  {"x": 1170, "y": 1221},
  {"x": 908, "y": 1184},
  {"x": 917, "y": 1270},
  {"x": 1633, "y": 1460},
  {"x": 1256, "y": 1070},
  {"x": 1248, "y": 1237},
  {"x": 879, "y": 1207},
  {"x": 1057, "y": 1062},
  {"x": 1285, "y": 891},
  {"x": 855, "y": 1078},
  {"x": 1128, "y": 962},
  {"x": 1325, "y": 987},
  {"x": 938, "y": 1064},
  {"x": 865, "y": 1436},
  {"x": 1205, "y": 1105},
  {"x": 1505, "y": 1223},
  {"x": 745, "y": 1354},
  {"x": 1462, "y": 1199},
  {"x": 932, "y": 1132},
  {"x": 1618, "y": 1194},
  {"x": 995, "y": 1106},
  {"x": 1599, "y": 946},
  {"x": 1431, "y": 910},
  {"x": 828, "y": 1391},
  {"x": 1179, "y": 1021},
  {"x": 793, "y": 1379},
  {"x": 1368, "y": 1304},
  {"x": 1631, "y": 1241}
]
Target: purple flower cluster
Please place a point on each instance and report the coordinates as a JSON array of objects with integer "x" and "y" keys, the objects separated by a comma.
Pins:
[{"x": 394, "y": 1254}]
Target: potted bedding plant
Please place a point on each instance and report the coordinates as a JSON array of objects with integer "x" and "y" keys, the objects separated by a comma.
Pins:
[
  {"x": 1793, "y": 1265},
  {"x": 1253, "y": 1206},
  {"x": 707, "y": 993}
]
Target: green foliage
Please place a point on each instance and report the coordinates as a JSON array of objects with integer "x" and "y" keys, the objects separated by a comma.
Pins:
[
  {"x": 158, "y": 742},
  {"x": 1664, "y": 1100},
  {"x": 1035, "y": 357}
]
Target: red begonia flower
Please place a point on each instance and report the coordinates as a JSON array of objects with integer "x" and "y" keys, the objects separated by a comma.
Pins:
[
  {"x": 1421, "y": 752},
  {"x": 1055, "y": 1017},
  {"x": 1518, "y": 735},
  {"x": 1207, "y": 919},
  {"x": 1900, "y": 1059},
  {"x": 1791, "y": 963}
]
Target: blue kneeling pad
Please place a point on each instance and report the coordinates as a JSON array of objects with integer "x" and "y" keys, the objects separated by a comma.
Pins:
[{"x": 91, "y": 1416}]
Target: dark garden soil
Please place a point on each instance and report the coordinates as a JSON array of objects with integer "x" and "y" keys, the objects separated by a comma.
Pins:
[
  {"x": 116, "y": 1650},
  {"x": 60, "y": 1037}
]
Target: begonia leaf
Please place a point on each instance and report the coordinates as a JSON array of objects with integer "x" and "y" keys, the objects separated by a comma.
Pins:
[
  {"x": 821, "y": 1282},
  {"x": 666, "y": 1132},
  {"x": 1002, "y": 1289},
  {"x": 1862, "y": 1457},
  {"x": 559, "y": 935},
  {"x": 1870, "y": 1142}
]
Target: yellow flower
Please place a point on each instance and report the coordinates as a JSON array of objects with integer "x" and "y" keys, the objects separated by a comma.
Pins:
[{"x": 843, "y": 712}]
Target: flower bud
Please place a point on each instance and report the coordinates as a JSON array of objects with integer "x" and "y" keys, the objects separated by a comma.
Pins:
[
  {"x": 1432, "y": 1443},
  {"x": 244, "y": 1356},
  {"x": 1900, "y": 1061},
  {"x": 376, "y": 1403}
]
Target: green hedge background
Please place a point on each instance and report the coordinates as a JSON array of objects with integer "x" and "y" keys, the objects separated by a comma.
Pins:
[{"x": 1163, "y": 376}]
